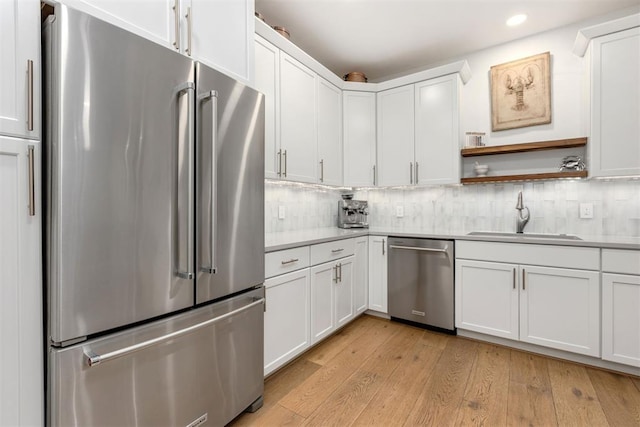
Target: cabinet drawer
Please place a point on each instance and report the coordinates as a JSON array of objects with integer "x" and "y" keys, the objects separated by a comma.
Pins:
[
  {"x": 621, "y": 261},
  {"x": 280, "y": 262},
  {"x": 325, "y": 252},
  {"x": 522, "y": 253}
]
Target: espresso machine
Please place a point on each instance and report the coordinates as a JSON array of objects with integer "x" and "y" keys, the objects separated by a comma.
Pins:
[{"x": 352, "y": 213}]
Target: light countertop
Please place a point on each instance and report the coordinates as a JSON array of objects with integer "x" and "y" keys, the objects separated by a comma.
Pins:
[{"x": 292, "y": 239}]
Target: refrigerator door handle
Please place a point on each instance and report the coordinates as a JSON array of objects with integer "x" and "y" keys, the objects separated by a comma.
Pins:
[
  {"x": 213, "y": 220},
  {"x": 93, "y": 359},
  {"x": 189, "y": 88}
]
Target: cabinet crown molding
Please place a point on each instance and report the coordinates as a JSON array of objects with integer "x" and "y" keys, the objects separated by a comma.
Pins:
[{"x": 585, "y": 35}]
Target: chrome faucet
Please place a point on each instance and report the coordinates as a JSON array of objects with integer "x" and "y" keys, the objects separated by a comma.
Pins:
[{"x": 521, "y": 220}]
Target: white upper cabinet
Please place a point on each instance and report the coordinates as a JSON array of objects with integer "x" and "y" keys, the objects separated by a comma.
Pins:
[
  {"x": 298, "y": 135},
  {"x": 395, "y": 136},
  {"x": 615, "y": 91},
  {"x": 222, "y": 35},
  {"x": 267, "y": 81},
  {"x": 359, "y": 113},
  {"x": 329, "y": 133},
  {"x": 218, "y": 33},
  {"x": 418, "y": 133},
  {"x": 437, "y": 151},
  {"x": 20, "y": 68}
]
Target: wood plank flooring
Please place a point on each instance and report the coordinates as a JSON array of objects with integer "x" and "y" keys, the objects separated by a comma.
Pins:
[{"x": 380, "y": 373}]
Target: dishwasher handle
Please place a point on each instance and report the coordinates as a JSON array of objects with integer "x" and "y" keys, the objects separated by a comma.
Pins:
[{"x": 416, "y": 248}]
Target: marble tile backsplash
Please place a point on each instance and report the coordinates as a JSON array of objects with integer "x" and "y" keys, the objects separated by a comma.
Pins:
[{"x": 554, "y": 207}]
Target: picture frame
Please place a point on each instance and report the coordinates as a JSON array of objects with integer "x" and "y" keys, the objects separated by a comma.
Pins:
[{"x": 521, "y": 93}]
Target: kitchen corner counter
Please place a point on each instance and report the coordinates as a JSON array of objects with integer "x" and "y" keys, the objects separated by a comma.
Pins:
[{"x": 292, "y": 239}]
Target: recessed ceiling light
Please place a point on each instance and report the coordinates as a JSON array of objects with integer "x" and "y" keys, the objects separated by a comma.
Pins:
[{"x": 516, "y": 20}]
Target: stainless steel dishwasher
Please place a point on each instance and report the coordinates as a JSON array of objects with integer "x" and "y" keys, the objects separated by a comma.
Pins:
[{"x": 421, "y": 282}]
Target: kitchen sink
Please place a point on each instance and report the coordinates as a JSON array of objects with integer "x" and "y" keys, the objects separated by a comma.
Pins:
[{"x": 524, "y": 235}]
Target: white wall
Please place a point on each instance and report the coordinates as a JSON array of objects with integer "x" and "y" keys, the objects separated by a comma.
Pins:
[{"x": 568, "y": 90}]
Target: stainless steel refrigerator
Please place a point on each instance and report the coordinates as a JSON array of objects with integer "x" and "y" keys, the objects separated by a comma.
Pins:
[{"x": 154, "y": 232}]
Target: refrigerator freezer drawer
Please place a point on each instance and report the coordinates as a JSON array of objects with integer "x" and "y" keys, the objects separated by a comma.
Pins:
[{"x": 201, "y": 365}]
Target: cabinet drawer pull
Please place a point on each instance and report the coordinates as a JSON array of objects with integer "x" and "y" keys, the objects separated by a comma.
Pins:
[
  {"x": 292, "y": 260},
  {"x": 335, "y": 251}
]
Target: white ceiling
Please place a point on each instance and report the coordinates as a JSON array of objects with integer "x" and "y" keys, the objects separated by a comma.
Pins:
[{"x": 385, "y": 38}]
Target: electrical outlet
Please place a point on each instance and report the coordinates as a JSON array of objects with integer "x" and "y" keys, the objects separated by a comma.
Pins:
[
  {"x": 399, "y": 211},
  {"x": 586, "y": 210},
  {"x": 281, "y": 212}
]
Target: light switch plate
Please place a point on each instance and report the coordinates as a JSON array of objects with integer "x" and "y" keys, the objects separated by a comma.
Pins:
[
  {"x": 586, "y": 210},
  {"x": 399, "y": 211},
  {"x": 281, "y": 212}
]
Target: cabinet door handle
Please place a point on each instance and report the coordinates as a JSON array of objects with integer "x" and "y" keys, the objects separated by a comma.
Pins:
[
  {"x": 279, "y": 162},
  {"x": 514, "y": 278},
  {"x": 285, "y": 163},
  {"x": 383, "y": 245},
  {"x": 523, "y": 279},
  {"x": 291, "y": 261},
  {"x": 374, "y": 174},
  {"x": 30, "y": 95},
  {"x": 410, "y": 172},
  {"x": 417, "y": 174},
  {"x": 188, "y": 16},
  {"x": 335, "y": 274},
  {"x": 322, "y": 170},
  {"x": 176, "y": 15},
  {"x": 32, "y": 196}
]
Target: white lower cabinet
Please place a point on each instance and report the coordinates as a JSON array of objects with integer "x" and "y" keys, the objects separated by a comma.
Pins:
[
  {"x": 378, "y": 273},
  {"x": 621, "y": 306},
  {"x": 21, "y": 352},
  {"x": 331, "y": 297},
  {"x": 621, "y": 318},
  {"x": 548, "y": 306},
  {"x": 560, "y": 308},
  {"x": 286, "y": 318},
  {"x": 487, "y": 298},
  {"x": 361, "y": 275}
]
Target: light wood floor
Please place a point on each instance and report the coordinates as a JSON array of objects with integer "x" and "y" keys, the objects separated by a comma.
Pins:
[{"x": 380, "y": 373}]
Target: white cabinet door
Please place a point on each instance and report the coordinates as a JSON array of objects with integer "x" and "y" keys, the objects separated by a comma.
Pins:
[
  {"x": 361, "y": 275},
  {"x": 286, "y": 318},
  {"x": 437, "y": 131},
  {"x": 267, "y": 81},
  {"x": 343, "y": 294},
  {"x": 222, "y": 35},
  {"x": 615, "y": 128},
  {"x": 395, "y": 136},
  {"x": 560, "y": 308},
  {"x": 329, "y": 133},
  {"x": 359, "y": 110},
  {"x": 297, "y": 120},
  {"x": 20, "y": 68},
  {"x": 323, "y": 278},
  {"x": 21, "y": 352},
  {"x": 378, "y": 273},
  {"x": 155, "y": 20},
  {"x": 621, "y": 318},
  {"x": 487, "y": 298}
]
